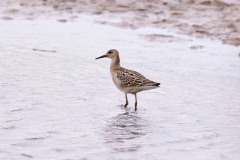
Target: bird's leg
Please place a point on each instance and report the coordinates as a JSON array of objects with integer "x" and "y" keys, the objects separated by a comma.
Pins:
[
  {"x": 125, "y": 105},
  {"x": 135, "y": 102}
]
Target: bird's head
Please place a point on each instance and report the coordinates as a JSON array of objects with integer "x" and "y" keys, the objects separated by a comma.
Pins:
[{"x": 112, "y": 53}]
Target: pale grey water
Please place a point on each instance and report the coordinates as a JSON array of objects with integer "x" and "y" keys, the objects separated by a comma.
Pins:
[{"x": 57, "y": 102}]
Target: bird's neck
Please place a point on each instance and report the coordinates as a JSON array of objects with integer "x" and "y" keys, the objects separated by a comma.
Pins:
[{"x": 115, "y": 63}]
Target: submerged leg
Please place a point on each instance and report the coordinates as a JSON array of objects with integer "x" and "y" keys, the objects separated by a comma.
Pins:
[
  {"x": 135, "y": 102},
  {"x": 125, "y": 105}
]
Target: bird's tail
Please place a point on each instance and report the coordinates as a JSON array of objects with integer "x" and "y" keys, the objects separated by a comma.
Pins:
[{"x": 151, "y": 83}]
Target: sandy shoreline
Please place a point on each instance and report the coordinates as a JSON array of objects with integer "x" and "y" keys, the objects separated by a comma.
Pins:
[
  {"x": 58, "y": 102},
  {"x": 203, "y": 18}
]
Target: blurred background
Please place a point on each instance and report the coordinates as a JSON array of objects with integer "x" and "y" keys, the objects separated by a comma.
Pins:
[{"x": 217, "y": 19}]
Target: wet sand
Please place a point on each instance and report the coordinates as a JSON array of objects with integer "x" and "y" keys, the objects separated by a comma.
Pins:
[
  {"x": 58, "y": 102},
  {"x": 214, "y": 19}
]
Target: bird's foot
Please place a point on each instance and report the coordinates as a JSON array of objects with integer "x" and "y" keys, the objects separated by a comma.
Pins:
[{"x": 136, "y": 106}]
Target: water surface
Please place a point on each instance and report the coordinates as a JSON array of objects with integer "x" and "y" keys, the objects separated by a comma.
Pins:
[{"x": 57, "y": 102}]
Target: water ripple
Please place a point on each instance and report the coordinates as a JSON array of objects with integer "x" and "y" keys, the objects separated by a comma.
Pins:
[{"x": 123, "y": 132}]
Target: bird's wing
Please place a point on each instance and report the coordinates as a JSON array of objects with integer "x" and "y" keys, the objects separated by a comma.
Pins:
[{"x": 131, "y": 78}]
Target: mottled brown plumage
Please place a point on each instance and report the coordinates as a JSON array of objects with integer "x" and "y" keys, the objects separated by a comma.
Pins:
[
  {"x": 127, "y": 81},
  {"x": 132, "y": 78}
]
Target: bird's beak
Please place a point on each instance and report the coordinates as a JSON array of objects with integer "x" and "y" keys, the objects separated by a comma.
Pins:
[{"x": 101, "y": 56}]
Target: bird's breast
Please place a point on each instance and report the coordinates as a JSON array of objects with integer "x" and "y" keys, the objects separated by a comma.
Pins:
[{"x": 116, "y": 81}]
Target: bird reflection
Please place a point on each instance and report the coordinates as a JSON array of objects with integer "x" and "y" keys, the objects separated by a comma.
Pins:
[{"x": 124, "y": 131}]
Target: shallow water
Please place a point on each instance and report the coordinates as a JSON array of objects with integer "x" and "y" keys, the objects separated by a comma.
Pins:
[{"x": 58, "y": 102}]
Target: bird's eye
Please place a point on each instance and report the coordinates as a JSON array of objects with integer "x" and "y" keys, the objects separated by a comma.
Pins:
[{"x": 110, "y": 52}]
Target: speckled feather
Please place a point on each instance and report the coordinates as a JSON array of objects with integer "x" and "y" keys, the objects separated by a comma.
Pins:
[
  {"x": 127, "y": 81},
  {"x": 130, "y": 78}
]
